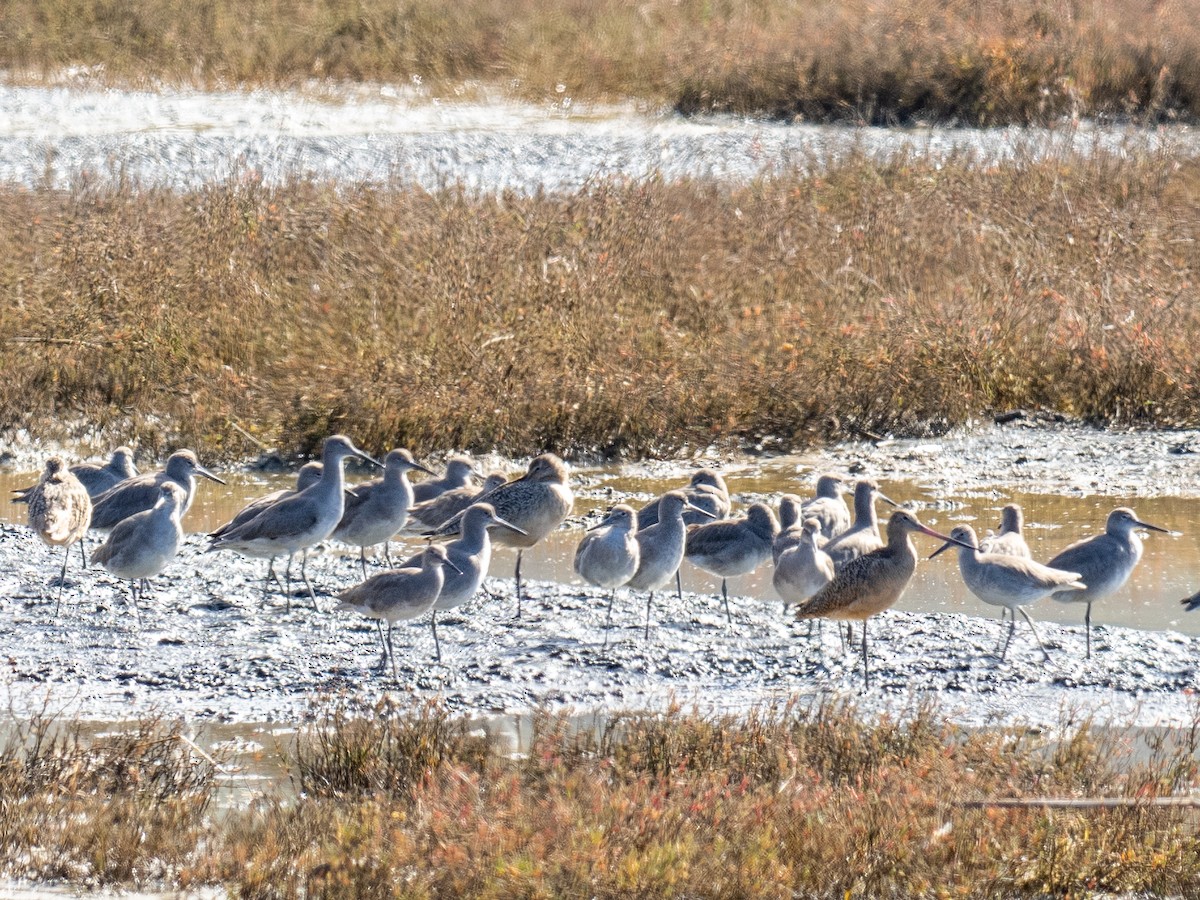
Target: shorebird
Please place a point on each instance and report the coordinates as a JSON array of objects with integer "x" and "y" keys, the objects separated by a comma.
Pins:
[
  {"x": 398, "y": 595},
  {"x": 136, "y": 494},
  {"x": 804, "y": 568},
  {"x": 374, "y": 511},
  {"x": 309, "y": 474},
  {"x": 661, "y": 546},
  {"x": 791, "y": 526},
  {"x": 95, "y": 478},
  {"x": 1009, "y": 540},
  {"x": 1104, "y": 562},
  {"x": 459, "y": 472},
  {"x": 706, "y": 492},
  {"x": 295, "y": 523},
  {"x": 734, "y": 547},
  {"x": 1008, "y": 581},
  {"x": 828, "y": 507},
  {"x": 444, "y": 507},
  {"x": 140, "y": 546},
  {"x": 608, "y": 555},
  {"x": 863, "y": 536},
  {"x": 873, "y": 582},
  {"x": 60, "y": 511},
  {"x": 537, "y": 503}
]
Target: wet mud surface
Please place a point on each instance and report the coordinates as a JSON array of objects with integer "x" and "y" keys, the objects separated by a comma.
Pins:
[{"x": 207, "y": 649}]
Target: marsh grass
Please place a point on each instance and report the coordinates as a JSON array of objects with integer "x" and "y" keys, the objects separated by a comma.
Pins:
[
  {"x": 627, "y": 319},
  {"x": 787, "y": 800},
  {"x": 1001, "y": 61}
]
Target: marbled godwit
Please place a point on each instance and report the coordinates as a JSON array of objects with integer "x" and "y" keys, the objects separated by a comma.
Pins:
[
  {"x": 706, "y": 492},
  {"x": 661, "y": 546},
  {"x": 608, "y": 555},
  {"x": 537, "y": 502},
  {"x": 444, "y": 507},
  {"x": 300, "y": 521},
  {"x": 871, "y": 583},
  {"x": 459, "y": 472},
  {"x": 1104, "y": 562},
  {"x": 141, "y": 493},
  {"x": 828, "y": 507},
  {"x": 734, "y": 547},
  {"x": 140, "y": 546},
  {"x": 95, "y": 478},
  {"x": 863, "y": 536},
  {"x": 471, "y": 556},
  {"x": 376, "y": 510},
  {"x": 1006, "y": 580},
  {"x": 59, "y": 511},
  {"x": 804, "y": 568},
  {"x": 309, "y": 474},
  {"x": 398, "y": 595}
]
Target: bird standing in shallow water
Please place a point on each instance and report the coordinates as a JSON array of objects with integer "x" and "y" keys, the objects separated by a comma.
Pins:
[
  {"x": 863, "y": 536},
  {"x": 1009, "y": 541},
  {"x": 828, "y": 507},
  {"x": 1007, "y": 581},
  {"x": 60, "y": 511},
  {"x": 608, "y": 555},
  {"x": 141, "y": 545},
  {"x": 374, "y": 511},
  {"x": 733, "y": 547},
  {"x": 1104, "y": 562},
  {"x": 136, "y": 494},
  {"x": 873, "y": 582}
]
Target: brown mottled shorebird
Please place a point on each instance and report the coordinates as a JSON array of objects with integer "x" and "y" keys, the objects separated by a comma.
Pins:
[
  {"x": 96, "y": 478},
  {"x": 140, "y": 546},
  {"x": 375, "y": 510},
  {"x": 873, "y": 582},
  {"x": 1104, "y": 562},
  {"x": 661, "y": 546},
  {"x": 734, "y": 547},
  {"x": 459, "y": 472},
  {"x": 294, "y": 524},
  {"x": 137, "y": 494},
  {"x": 608, "y": 554},
  {"x": 863, "y": 536},
  {"x": 828, "y": 507},
  {"x": 804, "y": 568},
  {"x": 398, "y": 595},
  {"x": 309, "y": 474},
  {"x": 1006, "y": 580},
  {"x": 537, "y": 502},
  {"x": 445, "y": 506},
  {"x": 60, "y": 511}
]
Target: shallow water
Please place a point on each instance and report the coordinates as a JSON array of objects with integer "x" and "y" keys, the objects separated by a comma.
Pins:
[
  {"x": 1170, "y": 567},
  {"x": 184, "y": 139}
]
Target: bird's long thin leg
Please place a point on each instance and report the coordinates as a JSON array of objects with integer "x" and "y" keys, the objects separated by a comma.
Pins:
[
  {"x": 62, "y": 579},
  {"x": 392, "y": 654},
  {"x": 83, "y": 552},
  {"x": 866, "y": 665},
  {"x": 1035, "y": 634},
  {"x": 1012, "y": 626},
  {"x": 362, "y": 561},
  {"x": 725, "y": 597},
  {"x": 437, "y": 646},
  {"x": 679, "y": 585},
  {"x": 1087, "y": 623},
  {"x": 382, "y": 647},
  {"x": 519, "y": 553},
  {"x": 649, "y": 601},
  {"x": 133, "y": 597},
  {"x": 287, "y": 594},
  {"x": 304, "y": 574}
]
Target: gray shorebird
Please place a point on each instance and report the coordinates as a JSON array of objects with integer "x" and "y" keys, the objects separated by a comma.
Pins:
[
  {"x": 803, "y": 568},
  {"x": 863, "y": 536},
  {"x": 733, "y": 547},
  {"x": 309, "y": 474},
  {"x": 140, "y": 546},
  {"x": 96, "y": 478},
  {"x": 707, "y": 493},
  {"x": 661, "y": 547},
  {"x": 459, "y": 472},
  {"x": 608, "y": 554},
  {"x": 791, "y": 526},
  {"x": 873, "y": 582},
  {"x": 1008, "y": 581},
  {"x": 1104, "y": 562},
  {"x": 60, "y": 511},
  {"x": 445, "y": 506},
  {"x": 828, "y": 507},
  {"x": 303, "y": 520},
  {"x": 471, "y": 556},
  {"x": 1009, "y": 540},
  {"x": 398, "y": 595},
  {"x": 537, "y": 503},
  {"x": 377, "y": 509},
  {"x": 137, "y": 494}
]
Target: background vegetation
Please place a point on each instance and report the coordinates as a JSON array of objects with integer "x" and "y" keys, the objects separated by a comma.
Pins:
[
  {"x": 990, "y": 62},
  {"x": 627, "y": 318}
]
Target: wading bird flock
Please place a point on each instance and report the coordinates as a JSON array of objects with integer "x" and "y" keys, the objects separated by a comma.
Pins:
[{"x": 828, "y": 563}]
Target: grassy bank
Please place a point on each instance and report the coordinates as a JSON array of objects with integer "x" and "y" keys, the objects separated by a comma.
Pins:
[
  {"x": 626, "y": 319},
  {"x": 1001, "y": 61},
  {"x": 784, "y": 802}
]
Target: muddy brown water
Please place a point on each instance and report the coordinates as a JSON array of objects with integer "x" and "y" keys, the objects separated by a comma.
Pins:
[{"x": 1170, "y": 567}]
